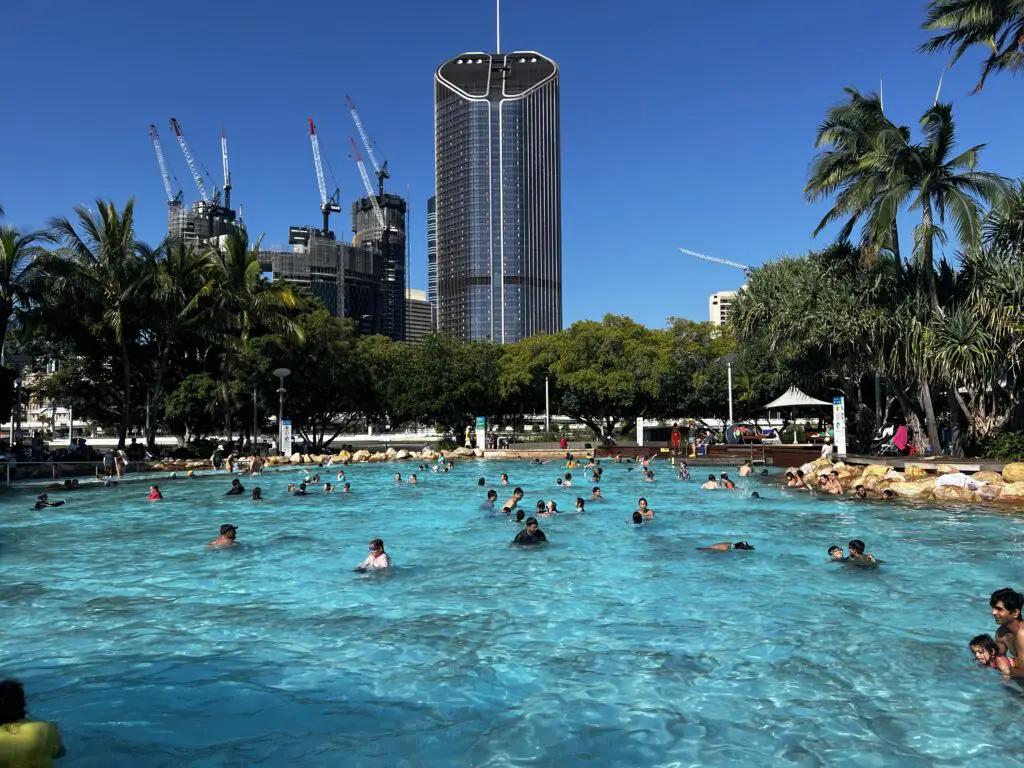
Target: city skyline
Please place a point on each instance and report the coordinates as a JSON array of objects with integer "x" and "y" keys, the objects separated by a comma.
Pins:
[{"x": 664, "y": 144}]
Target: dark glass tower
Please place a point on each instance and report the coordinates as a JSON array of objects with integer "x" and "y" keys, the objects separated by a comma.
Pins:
[
  {"x": 499, "y": 207},
  {"x": 432, "y": 256}
]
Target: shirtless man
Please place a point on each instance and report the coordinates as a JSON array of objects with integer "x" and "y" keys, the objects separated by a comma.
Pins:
[
  {"x": 747, "y": 469},
  {"x": 725, "y": 546},
  {"x": 1006, "y": 607},
  {"x": 514, "y": 500},
  {"x": 832, "y": 485},
  {"x": 226, "y": 538},
  {"x": 858, "y": 555},
  {"x": 711, "y": 484}
]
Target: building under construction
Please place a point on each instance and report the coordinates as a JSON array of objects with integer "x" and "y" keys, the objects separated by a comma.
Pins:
[
  {"x": 388, "y": 245},
  {"x": 205, "y": 222}
]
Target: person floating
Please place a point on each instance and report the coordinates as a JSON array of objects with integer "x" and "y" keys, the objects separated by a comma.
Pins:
[
  {"x": 154, "y": 493},
  {"x": 227, "y": 538},
  {"x": 236, "y": 488},
  {"x": 43, "y": 501},
  {"x": 25, "y": 742},
  {"x": 346, "y": 488},
  {"x": 638, "y": 519},
  {"x": 377, "y": 558},
  {"x": 725, "y": 546},
  {"x": 531, "y": 534},
  {"x": 988, "y": 654}
]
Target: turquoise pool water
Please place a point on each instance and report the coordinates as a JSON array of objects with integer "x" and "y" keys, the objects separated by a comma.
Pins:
[{"x": 616, "y": 645}]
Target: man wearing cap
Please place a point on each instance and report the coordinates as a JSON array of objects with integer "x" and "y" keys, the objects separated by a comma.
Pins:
[
  {"x": 826, "y": 448},
  {"x": 217, "y": 458},
  {"x": 531, "y": 534},
  {"x": 226, "y": 538}
]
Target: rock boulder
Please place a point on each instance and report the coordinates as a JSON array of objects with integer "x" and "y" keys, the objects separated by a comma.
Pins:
[
  {"x": 915, "y": 472},
  {"x": 362, "y": 455},
  {"x": 992, "y": 478},
  {"x": 342, "y": 456},
  {"x": 1012, "y": 491},
  {"x": 914, "y": 489},
  {"x": 403, "y": 454},
  {"x": 952, "y": 493},
  {"x": 464, "y": 453},
  {"x": 1013, "y": 473}
]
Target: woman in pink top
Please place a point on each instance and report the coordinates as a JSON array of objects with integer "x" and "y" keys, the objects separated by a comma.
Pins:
[{"x": 378, "y": 558}]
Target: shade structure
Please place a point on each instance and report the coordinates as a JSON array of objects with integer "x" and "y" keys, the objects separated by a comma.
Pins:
[{"x": 794, "y": 398}]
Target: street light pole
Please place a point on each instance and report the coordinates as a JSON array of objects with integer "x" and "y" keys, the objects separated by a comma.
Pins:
[
  {"x": 280, "y": 373},
  {"x": 729, "y": 372},
  {"x": 255, "y": 428},
  {"x": 547, "y": 407}
]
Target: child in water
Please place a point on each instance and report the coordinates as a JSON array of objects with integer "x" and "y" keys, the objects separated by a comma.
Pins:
[{"x": 988, "y": 654}]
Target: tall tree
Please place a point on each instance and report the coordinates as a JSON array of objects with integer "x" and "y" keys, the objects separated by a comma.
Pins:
[
  {"x": 995, "y": 25},
  {"x": 18, "y": 252}
]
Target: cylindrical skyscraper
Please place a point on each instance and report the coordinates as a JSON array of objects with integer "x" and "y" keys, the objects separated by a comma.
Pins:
[{"x": 499, "y": 205}]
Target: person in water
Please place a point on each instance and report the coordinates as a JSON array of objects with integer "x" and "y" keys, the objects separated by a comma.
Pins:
[
  {"x": 836, "y": 553},
  {"x": 987, "y": 653},
  {"x": 755, "y": 495},
  {"x": 531, "y": 534},
  {"x": 398, "y": 477},
  {"x": 341, "y": 475},
  {"x": 227, "y": 537},
  {"x": 711, "y": 484},
  {"x": 1006, "y": 606},
  {"x": 520, "y": 515},
  {"x": 595, "y": 494},
  {"x": 726, "y": 483},
  {"x": 413, "y": 480},
  {"x": 328, "y": 487},
  {"x": 346, "y": 488},
  {"x": 638, "y": 519},
  {"x": 236, "y": 488},
  {"x": 43, "y": 501},
  {"x": 860, "y": 492},
  {"x": 643, "y": 509},
  {"x": 24, "y": 742},
  {"x": 684, "y": 473},
  {"x": 857, "y": 553},
  {"x": 517, "y": 496},
  {"x": 301, "y": 490},
  {"x": 257, "y": 493},
  {"x": 580, "y": 504},
  {"x": 541, "y": 507},
  {"x": 725, "y": 546},
  {"x": 551, "y": 510},
  {"x": 747, "y": 468},
  {"x": 504, "y": 479},
  {"x": 888, "y": 494},
  {"x": 567, "y": 482},
  {"x": 492, "y": 499},
  {"x": 154, "y": 493},
  {"x": 377, "y": 558}
]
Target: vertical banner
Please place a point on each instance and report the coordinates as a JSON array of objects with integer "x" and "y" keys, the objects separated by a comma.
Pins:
[
  {"x": 839, "y": 424},
  {"x": 286, "y": 437},
  {"x": 481, "y": 432}
]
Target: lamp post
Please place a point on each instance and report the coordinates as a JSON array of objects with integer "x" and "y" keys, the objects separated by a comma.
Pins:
[
  {"x": 729, "y": 379},
  {"x": 547, "y": 407},
  {"x": 19, "y": 360},
  {"x": 280, "y": 373}
]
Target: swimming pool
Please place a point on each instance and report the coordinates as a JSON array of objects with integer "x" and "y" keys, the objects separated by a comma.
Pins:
[{"x": 615, "y": 645}]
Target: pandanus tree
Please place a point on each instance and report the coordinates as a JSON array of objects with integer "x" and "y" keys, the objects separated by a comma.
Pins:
[{"x": 995, "y": 25}]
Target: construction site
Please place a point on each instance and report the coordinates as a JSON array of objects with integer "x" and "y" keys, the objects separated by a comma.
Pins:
[{"x": 365, "y": 279}]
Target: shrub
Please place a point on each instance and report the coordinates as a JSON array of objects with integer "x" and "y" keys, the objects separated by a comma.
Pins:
[{"x": 1004, "y": 446}]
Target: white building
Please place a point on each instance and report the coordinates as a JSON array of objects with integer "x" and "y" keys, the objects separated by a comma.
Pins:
[{"x": 720, "y": 306}]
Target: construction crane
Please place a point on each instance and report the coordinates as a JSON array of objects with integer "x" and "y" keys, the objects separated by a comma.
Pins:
[
  {"x": 380, "y": 171},
  {"x": 192, "y": 165},
  {"x": 716, "y": 260},
  {"x": 173, "y": 198},
  {"x": 369, "y": 186},
  {"x": 224, "y": 160},
  {"x": 327, "y": 205}
]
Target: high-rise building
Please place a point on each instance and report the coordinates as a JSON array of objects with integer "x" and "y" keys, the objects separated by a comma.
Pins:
[
  {"x": 389, "y": 243},
  {"x": 202, "y": 223},
  {"x": 720, "y": 306},
  {"x": 419, "y": 319},
  {"x": 498, "y": 187},
  {"x": 432, "y": 255}
]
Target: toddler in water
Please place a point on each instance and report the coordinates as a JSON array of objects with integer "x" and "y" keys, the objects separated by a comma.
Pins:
[{"x": 988, "y": 654}]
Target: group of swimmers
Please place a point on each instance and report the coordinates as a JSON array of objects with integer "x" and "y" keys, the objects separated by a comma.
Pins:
[{"x": 1005, "y": 651}]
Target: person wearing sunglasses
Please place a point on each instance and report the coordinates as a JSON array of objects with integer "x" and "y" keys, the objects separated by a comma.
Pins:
[{"x": 377, "y": 558}]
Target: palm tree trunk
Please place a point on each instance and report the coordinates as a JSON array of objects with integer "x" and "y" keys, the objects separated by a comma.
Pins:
[
  {"x": 895, "y": 240},
  {"x": 157, "y": 398},
  {"x": 955, "y": 440},
  {"x": 929, "y": 415},
  {"x": 928, "y": 258},
  {"x": 126, "y": 402}
]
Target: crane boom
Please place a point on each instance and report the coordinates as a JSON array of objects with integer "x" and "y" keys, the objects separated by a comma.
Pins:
[
  {"x": 315, "y": 141},
  {"x": 172, "y": 198},
  {"x": 369, "y": 187},
  {"x": 716, "y": 260},
  {"x": 192, "y": 165},
  {"x": 227, "y": 173},
  {"x": 380, "y": 171}
]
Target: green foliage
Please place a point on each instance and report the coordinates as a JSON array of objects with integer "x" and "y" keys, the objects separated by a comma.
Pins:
[
  {"x": 997, "y": 26},
  {"x": 1005, "y": 446}
]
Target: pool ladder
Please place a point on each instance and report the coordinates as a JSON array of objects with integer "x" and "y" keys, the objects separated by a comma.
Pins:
[{"x": 757, "y": 459}]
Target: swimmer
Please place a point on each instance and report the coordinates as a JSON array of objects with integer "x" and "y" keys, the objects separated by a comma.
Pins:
[
  {"x": 236, "y": 488},
  {"x": 1006, "y": 606},
  {"x": 541, "y": 507},
  {"x": 726, "y": 483},
  {"x": 580, "y": 504},
  {"x": 43, "y": 501},
  {"x": 257, "y": 494},
  {"x": 398, "y": 477},
  {"x": 567, "y": 483},
  {"x": 558, "y": 481},
  {"x": 684, "y": 473},
  {"x": 25, "y": 742},
  {"x": 643, "y": 509},
  {"x": 835, "y": 554},
  {"x": 649, "y": 476},
  {"x": 888, "y": 494},
  {"x": 300, "y": 491},
  {"x": 506, "y": 510},
  {"x": 154, "y": 494},
  {"x": 504, "y": 479},
  {"x": 516, "y": 497},
  {"x": 520, "y": 515},
  {"x": 595, "y": 478},
  {"x": 552, "y": 509},
  {"x": 316, "y": 479},
  {"x": 328, "y": 488},
  {"x": 858, "y": 555},
  {"x": 413, "y": 480},
  {"x": 346, "y": 488},
  {"x": 711, "y": 484},
  {"x": 755, "y": 495},
  {"x": 725, "y": 546},
  {"x": 341, "y": 475},
  {"x": 595, "y": 494},
  {"x": 747, "y": 468},
  {"x": 227, "y": 537},
  {"x": 860, "y": 492},
  {"x": 190, "y": 474},
  {"x": 531, "y": 534},
  {"x": 291, "y": 487},
  {"x": 988, "y": 654},
  {"x": 377, "y": 558},
  {"x": 638, "y": 519},
  {"x": 481, "y": 482},
  {"x": 492, "y": 498}
]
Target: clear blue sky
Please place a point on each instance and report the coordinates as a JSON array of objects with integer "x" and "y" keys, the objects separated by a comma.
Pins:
[{"x": 683, "y": 123}]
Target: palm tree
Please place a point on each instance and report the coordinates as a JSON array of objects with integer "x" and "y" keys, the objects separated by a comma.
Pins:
[
  {"x": 997, "y": 25},
  {"x": 18, "y": 252},
  {"x": 98, "y": 269},
  {"x": 1004, "y": 226}
]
